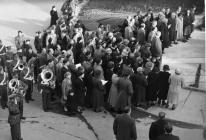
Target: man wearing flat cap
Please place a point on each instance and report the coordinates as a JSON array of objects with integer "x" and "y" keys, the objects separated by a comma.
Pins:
[
  {"x": 157, "y": 127},
  {"x": 14, "y": 118}
]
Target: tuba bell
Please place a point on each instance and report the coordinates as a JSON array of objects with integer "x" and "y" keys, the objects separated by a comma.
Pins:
[
  {"x": 20, "y": 67},
  {"x": 47, "y": 77},
  {"x": 16, "y": 87}
]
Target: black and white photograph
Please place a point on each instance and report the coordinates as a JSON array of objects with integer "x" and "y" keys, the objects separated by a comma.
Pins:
[{"x": 102, "y": 70}]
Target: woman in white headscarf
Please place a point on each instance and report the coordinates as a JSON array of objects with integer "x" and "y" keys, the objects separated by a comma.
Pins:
[{"x": 176, "y": 83}]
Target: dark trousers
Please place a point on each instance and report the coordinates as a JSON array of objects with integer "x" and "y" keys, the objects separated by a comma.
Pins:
[
  {"x": 29, "y": 90},
  {"x": 16, "y": 131},
  {"x": 4, "y": 97},
  {"x": 21, "y": 107},
  {"x": 46, "y": 99}
]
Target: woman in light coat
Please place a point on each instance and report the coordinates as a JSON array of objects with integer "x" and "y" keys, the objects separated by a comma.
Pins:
[
  {"x": 113, "y": 93},
  {"x": 179, "y": 27},
  {"x": 176, "y": 83}
]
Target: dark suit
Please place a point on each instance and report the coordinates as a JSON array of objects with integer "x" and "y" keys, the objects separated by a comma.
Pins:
[
  {"x": 168, "y": 137},
  {"x": 139, "y": 83},
  {"x": 157, "y": 129},
  {"x": 125, "y": 90},
  {"x": 14, "y": 121},
  {"x": 38, "y": 43},
  {"x": 79, "y": 90},
  {"x": 124, "y": 128}
]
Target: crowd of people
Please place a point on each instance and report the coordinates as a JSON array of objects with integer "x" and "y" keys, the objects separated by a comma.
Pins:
[{"x": 109, "y": 67}]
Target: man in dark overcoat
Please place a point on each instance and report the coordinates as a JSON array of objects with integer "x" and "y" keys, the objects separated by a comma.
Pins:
[
  {"x": 139, "y": 83},
  {"x": 54, "y": 16},
  {"x": 163, "y": 84},
  {"x": 124, "y": 126},
  {"x": 14, "y": 118},
  {"x": 157, "y": 127},
  {"x": 168, "y": 134},
  {"x": 125, "y": 91}
]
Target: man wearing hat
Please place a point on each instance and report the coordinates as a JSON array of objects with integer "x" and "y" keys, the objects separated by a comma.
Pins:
[
  {"x": 38, "y": 42},
  {"x": 176, "y": 82},
  {"x": 163, "y": 85},
  {"x": 2, "y": 54},
  {"x": 45, "y": 88},
  {"x": 3, "y": 87},
  {"x": 19, "y": 40},
  {"x": 19, "y": 97},
  {"x": 54, "y": 16},
  {"x": 9, "y": 59},
  {"x": 157, "y": 127},
  {"x": 139, "y": 83},
  {"x": 79, "y": 88},
  {"x": 156, "y": 48},
  {"x": 14, "y": 118}
]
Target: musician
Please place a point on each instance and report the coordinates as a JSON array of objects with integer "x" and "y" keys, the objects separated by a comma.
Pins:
[
  {"x": 21, "y": 88},
  {"x": 19, "y": 39},
  {"x": 14, "y": 118},
  {"x": 9, "y": 58},
  {"x": 3, "y": 87},
  {"x": 26, "y": 75},
  {"x": 2, "y": 54},
  {"x": 46, "y": 86}
]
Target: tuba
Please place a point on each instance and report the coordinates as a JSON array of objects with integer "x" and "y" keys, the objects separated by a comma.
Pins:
[
  {"x": 16, "y": 87},
  {"x": 47, "y": 77},
  {"x": 20, "y": 67}
]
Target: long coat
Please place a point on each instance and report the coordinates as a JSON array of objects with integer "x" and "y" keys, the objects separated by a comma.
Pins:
[
  {"x": 163, "y": 84},
  {"x": 139, "y": 83},
  {"x": 79, "y": 90},
  {"x": 54, "y": 17},
  {"x": 164, "y": 35},
  {"x": 98, "y": 91},
  {"x": 156, "y": 47},
  {"x": 125, "y": 90},
  {"x": 179, "y": 28},
  {"x": 168, "y": 137},
  {"x": 157, "y": 129},
  {"x": 113, "y": 93},
  {"x": 141, "y": 36},
  {"x": 152, "y": 87},
  {"x": 176, "y": 83},
  {"x": 124, "y": 128},
  {"x": 172, "y": 29}
]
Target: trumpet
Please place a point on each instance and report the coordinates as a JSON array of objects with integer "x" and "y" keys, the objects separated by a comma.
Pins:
[{"x": 47, "y": 77}]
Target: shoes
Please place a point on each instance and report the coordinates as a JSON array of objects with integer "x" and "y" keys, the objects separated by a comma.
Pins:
[
  {"x": 31, "y": 99},
  {"x": 173, "y": 107},
  {"x": 23, "y": 118}
]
